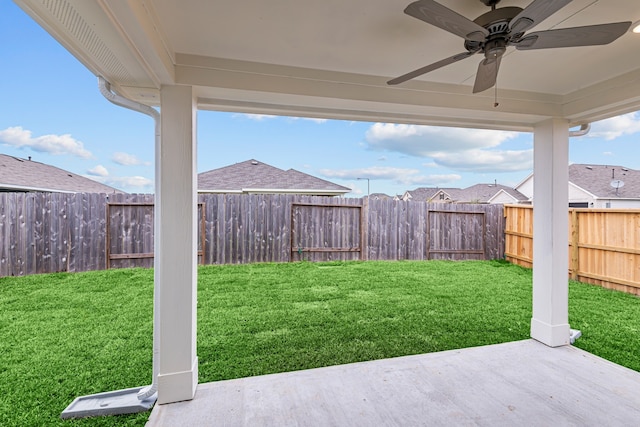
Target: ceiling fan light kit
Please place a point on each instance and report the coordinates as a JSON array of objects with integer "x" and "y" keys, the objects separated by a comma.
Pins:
[{"x": 492, "y": 32}]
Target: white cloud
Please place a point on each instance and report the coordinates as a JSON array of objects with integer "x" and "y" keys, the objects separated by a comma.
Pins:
[
  {"x": 130, "y": 181},
  {"x": 486, "y": 160},
  {"x": 375, "y": 172},
  {"x": 430, "y": 180},
  {"x": 397, "y": 175},
  {"x": 355, "y": 189},
  {"x": 607, "y": 153},
  {"x": 455, "y": 148},
  {"x": 126, "y": 159},
  {"x": 52, "y": 144},
  {"x": 125, "y": 182},
  {"x": 99, "y": 170},
  {"x": 311, "y": 119},
  {"x": 262, "y": 117},
  {"x": 615, "y": 127},
  {"x": 256, "y": 117},
  {"x": 422, "y": 141}
]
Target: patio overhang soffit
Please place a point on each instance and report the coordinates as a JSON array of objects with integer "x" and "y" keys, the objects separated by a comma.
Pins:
[{"x": 332, "y": 59}]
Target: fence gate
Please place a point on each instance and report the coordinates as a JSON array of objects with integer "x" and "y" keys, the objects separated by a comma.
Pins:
[
  {"x": 129, "y": 241},
  {"x": 324, "y": 232},
  {"x": 456, "y": 235}
]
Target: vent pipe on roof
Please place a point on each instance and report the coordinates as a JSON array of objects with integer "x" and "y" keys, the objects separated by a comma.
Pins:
[
  {"x": 584, "y": 129},
  {"x": 114, "y": 98}
]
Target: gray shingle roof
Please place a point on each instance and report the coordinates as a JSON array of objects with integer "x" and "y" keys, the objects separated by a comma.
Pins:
[
  {"x": 596, "y": 179},
  {"x": 424, "y": 194},
  {"x": 379, "y": 196},
  {"x": 256, "y": 176},
  {"x": 479, "y": 193},
  {"x": 18, "y": 174},
  {"x": 482, "y": 193}
]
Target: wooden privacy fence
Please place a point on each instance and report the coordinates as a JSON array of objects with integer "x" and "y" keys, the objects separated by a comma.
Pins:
[
  {"x": 129, "y": 231},
  {"x": 319, "y": 231},
  {"x": 466, "y": 228},
  {"x": 418, "y": 230},
  {"x": 281, "y": 228},
  {"x": 50, "y": 232},
  {"x": 604, "y": 245}
]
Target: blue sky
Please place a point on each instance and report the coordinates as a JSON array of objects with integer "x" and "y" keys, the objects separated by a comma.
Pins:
[{"x": 52, "y": 110}]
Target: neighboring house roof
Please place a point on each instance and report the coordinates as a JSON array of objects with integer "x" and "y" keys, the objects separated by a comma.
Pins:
[
  {"x": 379, "y": 196},
  {"x": 18, "y": 174},
  {"x": 479, "y": 193},
  {"x": 253, "y": 176},
  {"x": 425, "y": 194},
  {"x": 483, "y": 193},
  {"x": 596, "y": 181},
  {"x": 599, "y": 180}
]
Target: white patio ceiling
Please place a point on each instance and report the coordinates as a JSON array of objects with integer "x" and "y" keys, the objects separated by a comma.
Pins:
[{"x": 332, "y": 58}]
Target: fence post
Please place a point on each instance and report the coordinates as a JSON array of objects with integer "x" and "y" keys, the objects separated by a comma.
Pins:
[
  {"x": 575, "y": 237},
  {"x": 364, "y": 230}
]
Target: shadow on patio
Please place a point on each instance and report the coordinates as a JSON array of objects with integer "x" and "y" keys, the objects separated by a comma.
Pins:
[{"x": 516, "y": 383}]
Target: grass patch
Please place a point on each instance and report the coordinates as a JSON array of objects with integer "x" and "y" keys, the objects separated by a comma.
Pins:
[
  {"x": 266, "y": 318},
  {"x": 609, "y": 321},
  {"x": 65, "y": 335}
]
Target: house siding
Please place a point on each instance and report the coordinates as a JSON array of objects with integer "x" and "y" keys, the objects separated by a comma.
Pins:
[
  {"x": 503, "y": 198},
  {"x": 526, "y": 187},
  {"x": 578, "y": 195},
  {"x": 616, "y": 204}
]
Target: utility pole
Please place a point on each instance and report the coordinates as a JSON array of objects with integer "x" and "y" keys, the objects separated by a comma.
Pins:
[{"x": 367, "y": 185}]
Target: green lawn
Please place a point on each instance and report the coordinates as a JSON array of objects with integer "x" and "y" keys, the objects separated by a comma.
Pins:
[{"x": 65, "y": 335}]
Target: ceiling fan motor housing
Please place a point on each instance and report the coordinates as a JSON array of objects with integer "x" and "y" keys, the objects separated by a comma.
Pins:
[
  {"x": 496, "y": 22},
  {"x": 495, "y": 48}
]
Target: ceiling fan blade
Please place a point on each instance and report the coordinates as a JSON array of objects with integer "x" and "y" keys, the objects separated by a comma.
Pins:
[
  {"x": 487, "y": 74},
  {"x": 590, "y": 35},
  {"x": 431, "y": 67},
  {"x": 442, "y": 17},
  {"x": 535, "y": 13}
]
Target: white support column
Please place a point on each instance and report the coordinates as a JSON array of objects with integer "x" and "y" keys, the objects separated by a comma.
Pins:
[
  {"x": 176, "y": 245},
  {"x": 549, "y": 324}
]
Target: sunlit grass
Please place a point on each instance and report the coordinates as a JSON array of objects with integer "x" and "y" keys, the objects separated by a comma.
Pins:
[
  {"x": 267, "y": 318},
  {"x": 67, "y": 335}
]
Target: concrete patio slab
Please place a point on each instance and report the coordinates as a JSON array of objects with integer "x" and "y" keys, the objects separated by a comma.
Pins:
[{"x": 521, "y": 383}]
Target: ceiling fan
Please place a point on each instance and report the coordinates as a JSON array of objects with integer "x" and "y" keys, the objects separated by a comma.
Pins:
[{"x": 492, "y": 32}]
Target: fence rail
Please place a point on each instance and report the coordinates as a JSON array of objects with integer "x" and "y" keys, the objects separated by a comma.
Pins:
[
  {"x": 51, "y": 232},
  {"x": 604, "y": 245}
]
